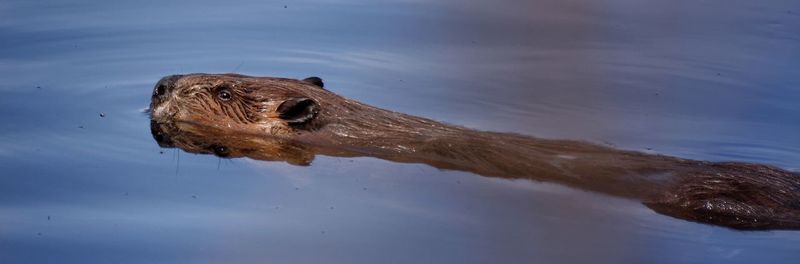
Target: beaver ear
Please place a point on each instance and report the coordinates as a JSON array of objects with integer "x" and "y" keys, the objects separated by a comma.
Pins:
[
  {"x": 298, "y": 110},
  {"x": 315, "y": 81}
]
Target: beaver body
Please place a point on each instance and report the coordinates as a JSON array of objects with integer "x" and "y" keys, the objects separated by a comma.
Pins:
[{"x": 292, "y": 120}]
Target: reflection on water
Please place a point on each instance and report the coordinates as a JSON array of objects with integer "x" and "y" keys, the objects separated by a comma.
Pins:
[{"x": 712, "y": 80}]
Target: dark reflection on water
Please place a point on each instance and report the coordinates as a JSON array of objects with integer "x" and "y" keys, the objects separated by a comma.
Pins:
[{"x": 713, "y": 80}]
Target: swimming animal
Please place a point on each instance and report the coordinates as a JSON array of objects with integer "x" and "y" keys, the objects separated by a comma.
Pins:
[{"x": 267, "y": 118}]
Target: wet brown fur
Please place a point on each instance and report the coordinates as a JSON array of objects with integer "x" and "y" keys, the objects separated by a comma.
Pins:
[{"x": 736, "y": 195}]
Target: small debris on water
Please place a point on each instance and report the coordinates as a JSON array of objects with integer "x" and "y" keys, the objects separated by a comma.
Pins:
[
  {"x": 331, "y": 208},
  {"x": 81, "y": 127},
  {"x": 48, "y": 218},
  {"x": 296, "y": 188},
  {"x": 194, "y": 196},
  {"x": 365, "y": 188},
  {"x": 38, "y": 87},
  {"x": 161, "y": 152},
  {"x": 39, "y": 234},
  {"x": 285, "y": 6},
  {"x": 102, "y": 115}
]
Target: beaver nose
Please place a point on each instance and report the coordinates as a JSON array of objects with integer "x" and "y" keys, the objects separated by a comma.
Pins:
[{"x": 165, "y": 86}]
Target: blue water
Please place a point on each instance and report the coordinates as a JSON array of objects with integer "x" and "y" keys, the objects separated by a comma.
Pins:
[{"x": 712, "y": 80}]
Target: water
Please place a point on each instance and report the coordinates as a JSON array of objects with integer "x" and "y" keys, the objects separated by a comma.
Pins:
[{"x": 712, "y": 80}]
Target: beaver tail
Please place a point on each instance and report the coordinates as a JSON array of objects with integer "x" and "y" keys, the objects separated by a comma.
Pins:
[{"x": 736, "y": 195}]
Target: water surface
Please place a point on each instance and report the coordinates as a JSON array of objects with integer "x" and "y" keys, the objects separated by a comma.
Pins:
[{"x": 712, "y": 80}]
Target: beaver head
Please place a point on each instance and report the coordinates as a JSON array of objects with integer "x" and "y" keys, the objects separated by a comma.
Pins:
[{"x": 237, "y": 102}]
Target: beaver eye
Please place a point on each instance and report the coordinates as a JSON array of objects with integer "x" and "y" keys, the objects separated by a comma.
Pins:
[
  {"x": 220, "y": 151},
  {"x": 224, "y": 95}
]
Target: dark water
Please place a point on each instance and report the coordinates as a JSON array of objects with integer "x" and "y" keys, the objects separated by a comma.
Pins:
[{"x": 713, "y": 80}]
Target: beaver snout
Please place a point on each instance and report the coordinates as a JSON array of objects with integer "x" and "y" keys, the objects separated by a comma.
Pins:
[
  {"x": 165, "y": 86},
  {"x": 161, "y": 93}
]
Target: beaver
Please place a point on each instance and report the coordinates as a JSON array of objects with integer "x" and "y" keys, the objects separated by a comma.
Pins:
[{"x": 292, "y": 120}]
